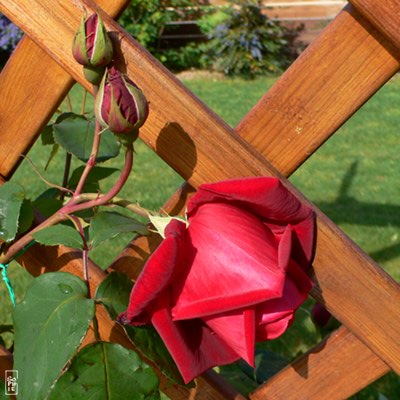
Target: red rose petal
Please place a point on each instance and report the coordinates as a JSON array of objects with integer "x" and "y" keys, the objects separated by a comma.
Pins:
[
  {"x": 237, "y": 329},
  {"x": 193, "y": 346},
  {"x": 269, "y": 199},
  {"x": 156, "y": 274},
  {"x": 235, "y": 263},
  {"x": 275, "y": 314}
]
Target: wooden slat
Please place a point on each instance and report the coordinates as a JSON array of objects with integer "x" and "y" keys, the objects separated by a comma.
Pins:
[
  {"x": 384, "y": 15},
  {"x": 370, "y": 63},
  {"x": 198, "y": 134},
  {"x": 6, "y": 361},
  {"x": 36, "y": 84},
  {"x": 331, "y": 80},
  {"x": 326, "y": 372}
]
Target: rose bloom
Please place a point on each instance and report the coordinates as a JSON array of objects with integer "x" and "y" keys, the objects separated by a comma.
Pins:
[{"x": 234, "y": 276}]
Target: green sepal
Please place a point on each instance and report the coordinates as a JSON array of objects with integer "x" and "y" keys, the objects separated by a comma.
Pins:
[
  {"x": 79, "y": 44},
  {"x": 103, "y": 49},
  {"x": 93, "y": 74}
]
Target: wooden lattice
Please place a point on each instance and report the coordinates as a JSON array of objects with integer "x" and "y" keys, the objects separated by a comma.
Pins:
[{"x": 344, "y": 67}]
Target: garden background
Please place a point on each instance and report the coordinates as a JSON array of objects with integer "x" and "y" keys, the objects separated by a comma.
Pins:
[{"x": 336, "y": 177}]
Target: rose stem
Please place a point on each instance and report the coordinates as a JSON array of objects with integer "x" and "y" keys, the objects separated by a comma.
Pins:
[
  {"x": 91, "y": 162},
  {"x": 73, "y": 206},
  {"x": 93, "y": 154},
  {"x": 118, "y": 201},
  {"x": 85, "y": 251}
]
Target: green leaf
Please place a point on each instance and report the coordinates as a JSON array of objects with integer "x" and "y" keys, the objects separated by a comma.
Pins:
[
  {"x": 11, "y": 198},
  {"x": 26, "y": 216},
  {"x": 47, "y": 135},
  {"x": 50, "y": 324},
  {"x": 75, "y": 134},
  {"x": 106, "y": 371},
  {"x": 92, "y": 182},
  {"x": 48, "y": 202},
  {"x": 107, "y": 225},
  {"x": 53, "y": 153},
  {"x": 47, "y": 206},
  {"x": 114, "y": 294},
  {"x": 239, "y": 379},
  {"x": 59, "y": 234},
  {"x": 50, "y": 193},
  {"x": 267, "y": 364}
]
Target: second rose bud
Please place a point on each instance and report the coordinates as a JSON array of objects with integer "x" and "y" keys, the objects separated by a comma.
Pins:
[{"x": 120, "y": 105}]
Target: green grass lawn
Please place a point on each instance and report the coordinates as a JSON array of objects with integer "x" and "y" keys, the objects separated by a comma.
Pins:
[{"x": 353, "y": 178}]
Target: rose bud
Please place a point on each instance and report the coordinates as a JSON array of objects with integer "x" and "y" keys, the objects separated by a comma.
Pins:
[
  {"x": 234, "y": 276},
  {"x": 120, "y": 105},
  {"x": 92, "y": 47}
]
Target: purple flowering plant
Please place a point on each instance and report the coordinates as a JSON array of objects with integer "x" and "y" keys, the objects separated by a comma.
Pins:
[{"x": 10, "y": 34}]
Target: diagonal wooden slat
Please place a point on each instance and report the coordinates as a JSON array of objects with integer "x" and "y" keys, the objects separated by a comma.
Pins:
[
  {"x": 339, "y": 377},
  {"x": 16, "y": 124},
  {"x": 370, "y": 61},
  {"x": 386, "y": 17},
  {"x": 320, "y": 91}
]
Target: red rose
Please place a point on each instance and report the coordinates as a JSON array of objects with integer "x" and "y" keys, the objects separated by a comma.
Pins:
[{"x": 234, "y": 276}]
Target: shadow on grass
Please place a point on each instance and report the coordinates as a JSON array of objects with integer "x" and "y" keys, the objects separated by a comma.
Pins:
[{"x": 347, "y": 209}]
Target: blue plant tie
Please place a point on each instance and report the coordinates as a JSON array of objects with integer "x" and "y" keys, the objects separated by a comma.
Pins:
[
  {"x": 7, "y": 281},
  {"x": 4, "y": 271}
]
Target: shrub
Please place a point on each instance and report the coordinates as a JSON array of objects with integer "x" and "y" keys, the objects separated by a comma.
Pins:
[
  {"x": 247, "y": 42},
  {"x": 145, "y": 21}
]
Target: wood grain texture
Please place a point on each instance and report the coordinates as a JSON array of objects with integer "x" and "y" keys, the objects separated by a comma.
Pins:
[
  {"x": 29, "y": 81},
  {"x": 193, "y": 139},
  {"x": 385, "y": 15},
  {"x": 329, "y": 82},
  {"x": 339, "y": 376}
]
